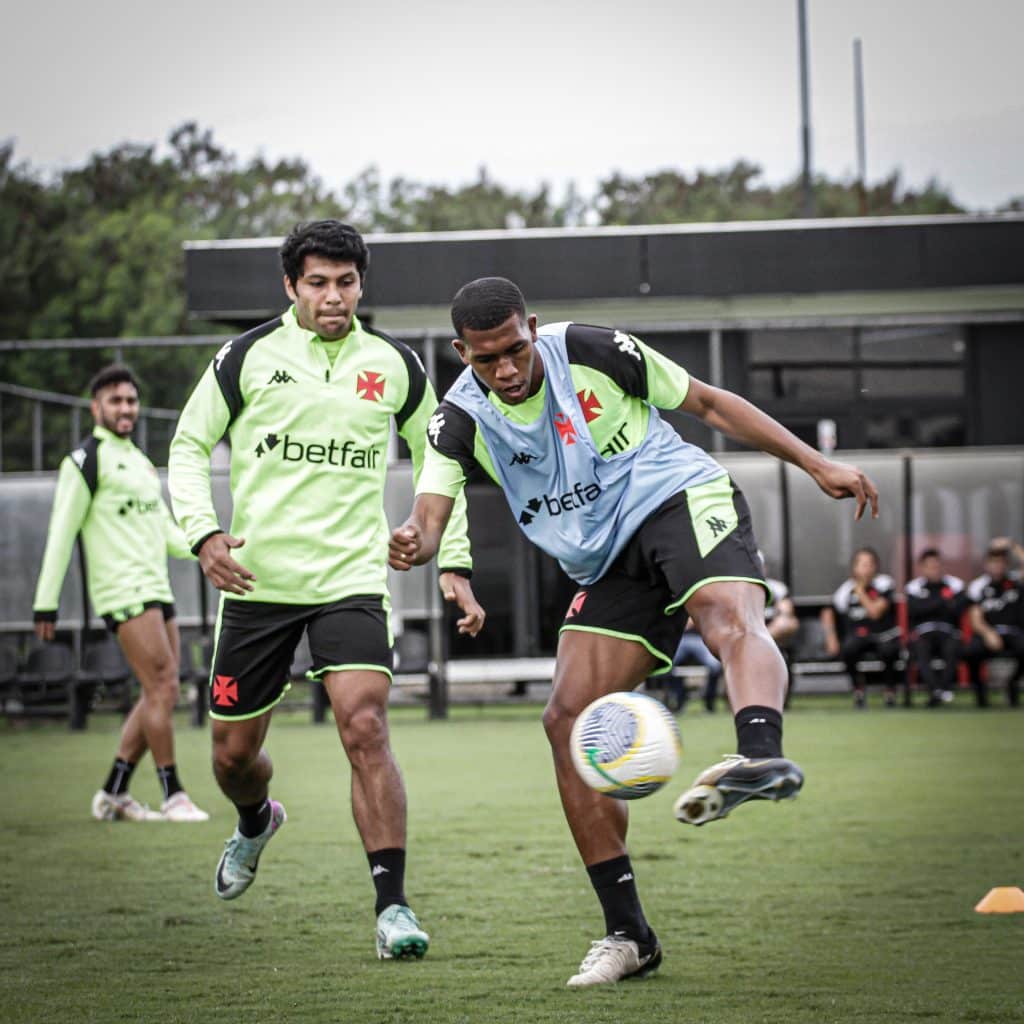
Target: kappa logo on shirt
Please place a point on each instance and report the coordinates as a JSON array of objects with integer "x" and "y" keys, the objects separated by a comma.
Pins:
[
  {"x": 78, "y": 457},
  {"x": 435, "y": 426},
  {"x": 223, "y": 353},
  {"x": 282, "y": 377},
  {"x": 627, "y": 346}
]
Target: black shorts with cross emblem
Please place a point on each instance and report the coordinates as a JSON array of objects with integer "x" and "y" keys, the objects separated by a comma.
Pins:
[
  {"x": 256, "y": 641},
  {"x": 700, "y": 535}
]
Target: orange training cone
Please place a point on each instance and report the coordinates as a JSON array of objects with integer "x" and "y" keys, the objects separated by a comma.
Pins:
[{"x": 1003, "y": 899}]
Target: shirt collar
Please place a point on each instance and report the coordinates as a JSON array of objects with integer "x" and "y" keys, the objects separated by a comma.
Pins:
[
  {"x": 292, "y": 319},
  {"x": 108, "y": 435}
]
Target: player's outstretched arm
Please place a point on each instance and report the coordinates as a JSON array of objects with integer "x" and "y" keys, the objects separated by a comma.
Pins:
[
  {"x": 416, "y": 540},
  {"x": 737, "y": 418}
]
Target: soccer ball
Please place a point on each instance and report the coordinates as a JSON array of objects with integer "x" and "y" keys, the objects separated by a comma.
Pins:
[{"x": 625, "y": 745}]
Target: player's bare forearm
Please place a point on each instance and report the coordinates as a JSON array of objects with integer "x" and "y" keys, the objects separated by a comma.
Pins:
[
  {"x": 738, "y": 419},
  {"x": 416, "y": 541}
]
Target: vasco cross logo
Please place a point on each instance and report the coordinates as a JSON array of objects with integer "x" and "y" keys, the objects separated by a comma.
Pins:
[
  {"x": 225, "y": 690},
  {"x": 282, "y": 377},
  {"x": 370, "y": 386},
  {"x": 566, "y": 431},
  {"x": 555, "y": 505}
]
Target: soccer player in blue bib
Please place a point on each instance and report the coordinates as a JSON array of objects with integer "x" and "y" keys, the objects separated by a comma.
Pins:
[{"x": 564, "y": 418}]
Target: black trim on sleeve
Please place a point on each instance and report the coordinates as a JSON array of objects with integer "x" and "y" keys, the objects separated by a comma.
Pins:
[
  {"x": 414, "y": 371},
  {"x": 466, "y": 574},
  {"x": 197, "y": 547},
  {"x": 227, "y": 364},
  {"x": 452, "y": 432},
  {"x": 87, "y": 458},
  {"x": 597, "y": 347},
  {"x": 52, "y": 616}
]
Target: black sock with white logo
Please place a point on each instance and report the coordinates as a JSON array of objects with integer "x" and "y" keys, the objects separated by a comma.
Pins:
[
  {"x": 119, "y": 778},
  {"x": 758, "y": 731},
  {"x": 616, "y": 889},
  {"x": 387, "y": 869},
  {"x": 253, "y": 819},
  {"x": 169, "y": 781}
]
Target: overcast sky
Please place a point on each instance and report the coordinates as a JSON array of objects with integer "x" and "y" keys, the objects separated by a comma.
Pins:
[{"x": 536, "y": 90}]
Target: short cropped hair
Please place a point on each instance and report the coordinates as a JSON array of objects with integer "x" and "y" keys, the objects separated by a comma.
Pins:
[
  {"x": 866, "y": 551},
  {"x": 998, "y": 551},
  {"x": 486, "y": 303},
  {"x": 929, "y": 553},
  {"x": 115, "y": 373},
  {"x": 330, "y": 239}
]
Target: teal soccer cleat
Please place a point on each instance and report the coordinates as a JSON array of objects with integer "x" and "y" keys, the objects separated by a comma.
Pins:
[
  {"x": 237, "y": 867},
  {"x": 399, "y": 935}
]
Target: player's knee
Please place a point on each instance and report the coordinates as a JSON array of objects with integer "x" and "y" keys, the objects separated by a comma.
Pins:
[
  {"x": 232, "y": 759},
  {"x": 730, "y": 627},
  {"x": 365, "y": 732},
  {"x": 558, "y": 722}
]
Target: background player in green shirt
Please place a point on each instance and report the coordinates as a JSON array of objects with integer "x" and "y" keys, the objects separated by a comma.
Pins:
[
  {"x": 565, "y": 419},
  {"x": 108, "y": 491},
  {"x": 307, "y": 401}
]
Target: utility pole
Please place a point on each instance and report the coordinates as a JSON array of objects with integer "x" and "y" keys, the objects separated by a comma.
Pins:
[
  {"x": 858, "y": 97},
  {"x": 806, "y": 185}
]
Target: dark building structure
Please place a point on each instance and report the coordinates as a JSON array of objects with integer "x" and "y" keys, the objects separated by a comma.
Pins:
[{"x": 900, "y": 332}]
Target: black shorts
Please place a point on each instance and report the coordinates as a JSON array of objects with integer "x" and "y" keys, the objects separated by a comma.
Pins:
[
  {"x": 255, "y": 643},
  {"x": 114, "y": 619},
  {"x": 701, "y": 535}
]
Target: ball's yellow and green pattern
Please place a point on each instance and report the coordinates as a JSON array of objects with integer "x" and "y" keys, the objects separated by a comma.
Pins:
[{"x": 625, "y": 745}]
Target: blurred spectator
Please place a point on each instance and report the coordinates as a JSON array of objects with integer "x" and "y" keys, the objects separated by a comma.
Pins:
[
  {"x": 935, "y": 604},
  {"x": 692, "y": 651},
  {"x": 862, "y": 623},
  {"x": 780, "y": 618},
  {"x": 997, "y": 619}
]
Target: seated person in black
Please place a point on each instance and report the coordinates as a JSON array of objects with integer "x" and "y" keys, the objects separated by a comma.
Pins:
[
  {"x": 862, "y": 624},
  {"x": 997, "y": 620},
  {"x": 935, "y": 604}
]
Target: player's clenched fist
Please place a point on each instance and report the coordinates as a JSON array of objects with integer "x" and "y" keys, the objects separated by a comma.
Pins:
[{"x": 404, "y": 546}]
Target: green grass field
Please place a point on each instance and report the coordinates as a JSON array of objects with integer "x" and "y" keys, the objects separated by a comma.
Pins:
[{"x": 853, "y": 903}]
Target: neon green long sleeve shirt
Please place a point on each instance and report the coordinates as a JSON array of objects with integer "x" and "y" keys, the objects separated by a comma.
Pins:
[
  {"x": 309, "y": 439},
  {"x": 108, "y": 491}
]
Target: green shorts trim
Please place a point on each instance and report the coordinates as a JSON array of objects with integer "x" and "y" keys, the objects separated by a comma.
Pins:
[
  {"x": 660, "y": 655},
  {"x": 317, "y": 675},
  {"x": 679, "y": 602},
  {"x": 251, "y": 714}
]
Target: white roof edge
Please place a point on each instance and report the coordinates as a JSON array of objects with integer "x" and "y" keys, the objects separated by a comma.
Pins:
[{"x": 701, "y": 228}]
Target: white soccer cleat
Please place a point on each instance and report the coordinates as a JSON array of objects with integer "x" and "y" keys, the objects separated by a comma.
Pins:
[
  {"x": 733, "y": 781},
  {"x": 237, "y": 866},
  {"x": 179, "y": 807},
  {"x": 399, "y": 935},
  {"x": 123, "y": 807},
  {"x": 616, "y": 958}
]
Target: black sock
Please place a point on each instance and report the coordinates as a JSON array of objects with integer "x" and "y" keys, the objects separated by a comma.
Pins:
[
  {"x": 119, "y": 778},
  {"x": 253, "y": 819},
  {"x": 613, "y": 882},
  {"x": 168, "y": 776},
  {"x": 387, "y": 869},
  {"x": 758, "y": 732}
]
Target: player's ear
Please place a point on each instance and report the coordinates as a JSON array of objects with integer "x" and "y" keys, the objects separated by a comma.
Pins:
[
  {"x": 290, "y": 289},
  {"x": 460, "y": 347},
  {"x": 531, "y": 323}
]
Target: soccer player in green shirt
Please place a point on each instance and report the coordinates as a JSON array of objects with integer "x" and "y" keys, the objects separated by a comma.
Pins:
[
  {"x": 108, "y": 491},
  {"x": 564, "y": 418},
  {"x": 307, "y": 401}
]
